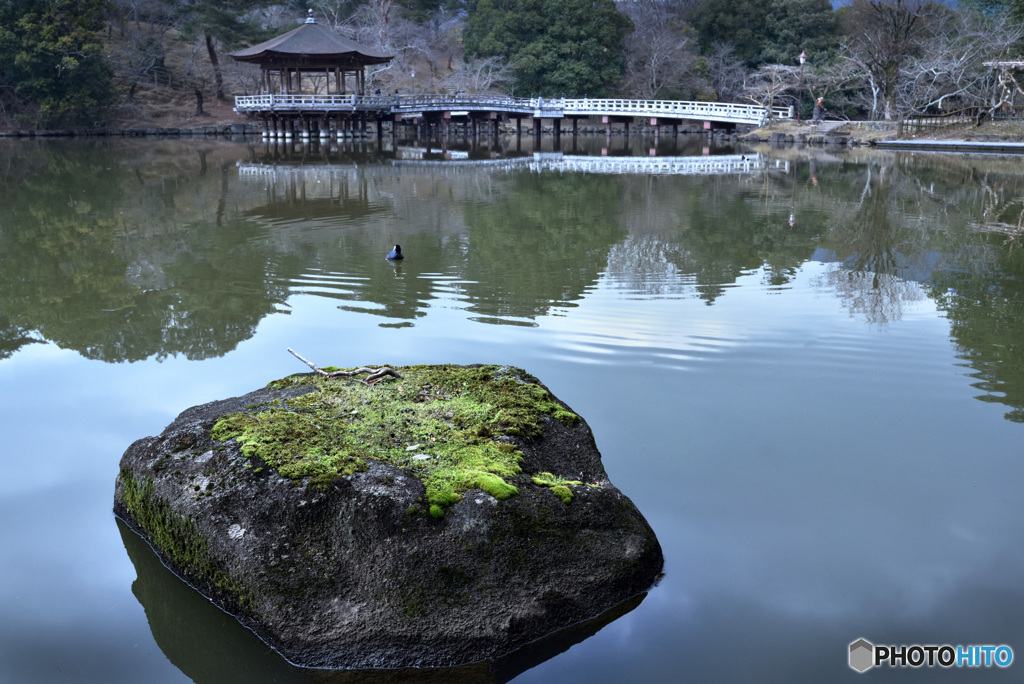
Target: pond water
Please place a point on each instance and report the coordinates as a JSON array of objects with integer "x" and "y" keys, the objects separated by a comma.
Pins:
[{"x": 806, "y": 371}]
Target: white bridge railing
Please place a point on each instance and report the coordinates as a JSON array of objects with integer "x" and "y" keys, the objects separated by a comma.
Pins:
[{"x": 538, "y": 107}]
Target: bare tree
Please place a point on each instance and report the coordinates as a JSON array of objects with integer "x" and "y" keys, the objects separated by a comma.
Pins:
[
  {"x": 478, "y": 76},
  {"x": 1007, "y": 86},
  {"x": 949, "y": 69},
  {"x": 442, "y": 43},
  {"x": 726, "y": 72},
  {"x": 338, "y": 13},
  {"x": 770, "y": 82},
  {"x": 882, "y": 35},
  {"x": 659, "y": 51},
  {"x": 915, "y": 57}
]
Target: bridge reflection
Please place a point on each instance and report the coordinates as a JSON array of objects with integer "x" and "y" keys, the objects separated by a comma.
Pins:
[{"x": 455, "y": 161}]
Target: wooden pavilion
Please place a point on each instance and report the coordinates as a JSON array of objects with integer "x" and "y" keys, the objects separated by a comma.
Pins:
[{"x": 309, "y": 64}]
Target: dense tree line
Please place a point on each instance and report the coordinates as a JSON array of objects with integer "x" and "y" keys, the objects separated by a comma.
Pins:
[{"x": 68, "y": 62}]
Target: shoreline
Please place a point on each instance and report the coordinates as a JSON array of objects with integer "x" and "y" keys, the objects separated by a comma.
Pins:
[
  {"x": 210, "y": 130},
  {"x": 882, "y": 136},
  {"x": 830, "y": 135}
]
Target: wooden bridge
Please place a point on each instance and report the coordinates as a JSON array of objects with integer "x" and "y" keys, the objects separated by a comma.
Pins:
[{"x": 342, "y": 115}]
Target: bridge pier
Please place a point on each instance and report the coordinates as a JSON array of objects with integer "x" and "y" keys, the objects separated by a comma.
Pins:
[
  {"x": 609, "y": 120},
  {"x": 658, "y": 122},
  {"x": 519, "y": 123},
  {"x": 712, "y": 126},
  {"x": 575, "y": 125},
  {"x": 486, "y": 118}
]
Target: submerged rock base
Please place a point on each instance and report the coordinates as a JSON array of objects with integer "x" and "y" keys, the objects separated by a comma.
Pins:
[{"x": 443, "y": 518}]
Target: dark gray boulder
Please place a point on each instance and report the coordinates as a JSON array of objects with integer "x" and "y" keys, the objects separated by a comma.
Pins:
[{"x": 368, "y": 551}]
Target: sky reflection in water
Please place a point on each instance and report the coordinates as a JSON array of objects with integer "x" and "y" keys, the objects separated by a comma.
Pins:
[{"x": 793, "y": 408}]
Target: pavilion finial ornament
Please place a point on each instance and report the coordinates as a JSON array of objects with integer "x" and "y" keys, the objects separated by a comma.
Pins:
[{"x": 309, "y": 17}]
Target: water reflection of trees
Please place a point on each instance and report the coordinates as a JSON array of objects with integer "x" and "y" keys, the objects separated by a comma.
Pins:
[
  {"x": 981, "y": 289},
  {"x": 938, "y": 226},
  {"x": 881, "y": 246},
  {"x": 164, "y": 248},
  {"x": 696, "y": 236},
  {"x": 123, "y": 256},
  {"x": 539, "y": 244}
]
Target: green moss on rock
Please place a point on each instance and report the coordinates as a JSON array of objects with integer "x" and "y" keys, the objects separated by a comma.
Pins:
[
  {"x": 562, "y": 492},
  {"x": 177, "y": 538},
  {"x": 449, "y": 425},
  {"x": 559, "y": 485}
]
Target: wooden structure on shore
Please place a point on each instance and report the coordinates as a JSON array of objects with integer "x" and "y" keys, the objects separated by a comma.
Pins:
[
  {"x": 479, "y": 111},
  {"x": 311, "y": 58},
  {"x": 313, "y": 84}
]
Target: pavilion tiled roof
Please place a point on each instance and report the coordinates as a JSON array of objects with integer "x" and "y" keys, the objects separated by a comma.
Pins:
[{"x": 311, "y": 40}]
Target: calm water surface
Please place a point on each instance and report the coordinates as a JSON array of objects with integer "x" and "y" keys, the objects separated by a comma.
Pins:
[{"x": 808, "y": 375}]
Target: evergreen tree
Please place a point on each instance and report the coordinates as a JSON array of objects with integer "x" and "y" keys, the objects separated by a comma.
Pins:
[
  {"x": 554, "y": 46},
  {"x": 762, "y": 32},
  {"x": 52, "y": 68}
]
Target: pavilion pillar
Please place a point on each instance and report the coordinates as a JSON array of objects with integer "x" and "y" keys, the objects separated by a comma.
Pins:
[{"x": 324, "y": 127}]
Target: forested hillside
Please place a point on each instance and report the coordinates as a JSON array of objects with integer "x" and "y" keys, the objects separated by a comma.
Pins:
[{"x": 86, "y": 63}]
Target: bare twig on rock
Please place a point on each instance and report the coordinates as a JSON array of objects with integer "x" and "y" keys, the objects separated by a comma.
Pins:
[{"x": 375, "y": 374}]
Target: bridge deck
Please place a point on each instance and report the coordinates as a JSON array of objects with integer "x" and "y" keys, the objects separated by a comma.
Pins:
[{"x": 542, "y": 108}]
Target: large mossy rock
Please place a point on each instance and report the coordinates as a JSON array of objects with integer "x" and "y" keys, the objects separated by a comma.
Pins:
[{"x": 446, "y": 517}]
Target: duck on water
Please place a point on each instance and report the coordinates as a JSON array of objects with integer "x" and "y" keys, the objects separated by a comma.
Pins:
[{"x": 395, "y": 254}]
